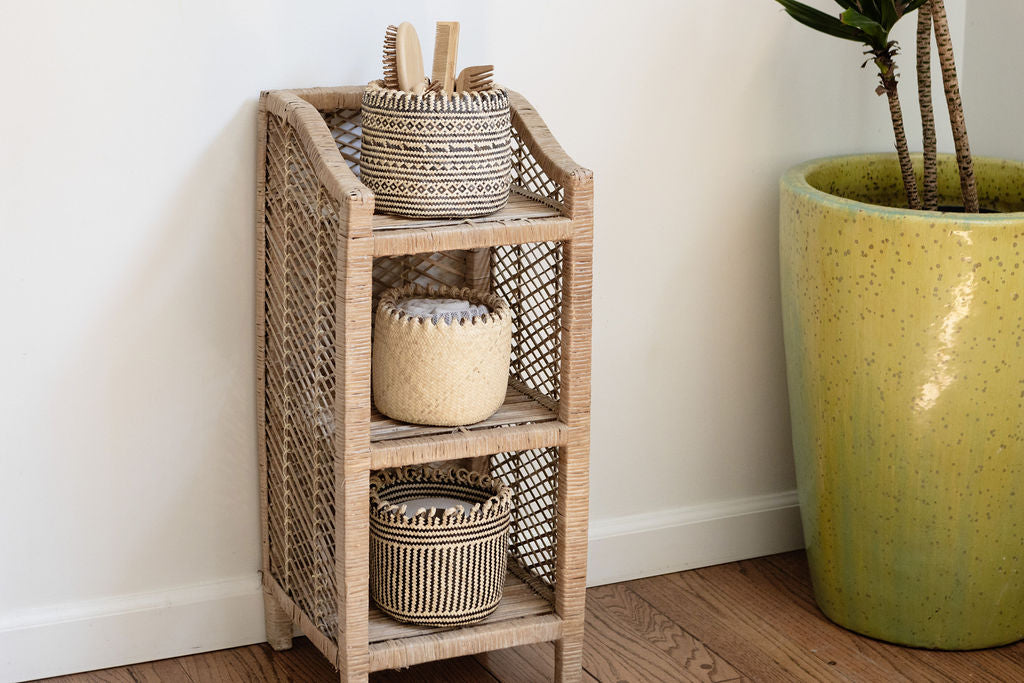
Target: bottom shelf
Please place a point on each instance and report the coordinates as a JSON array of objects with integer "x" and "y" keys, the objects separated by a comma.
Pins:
[{"x": 522, "y": 617}]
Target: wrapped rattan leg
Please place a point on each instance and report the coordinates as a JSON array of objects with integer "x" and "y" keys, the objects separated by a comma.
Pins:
[
  {"x": 478, "y": 276},
  {"x": 478, "y": 268},
  {"x": 574, "y": 412},
  {"x": 569, "y": 658},
  {"x": 279, "y": 624}
]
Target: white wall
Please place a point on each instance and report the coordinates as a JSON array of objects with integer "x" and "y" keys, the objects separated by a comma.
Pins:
[
  {"x": 128, "y": 490},
  {"x": 993, "y": 96}
]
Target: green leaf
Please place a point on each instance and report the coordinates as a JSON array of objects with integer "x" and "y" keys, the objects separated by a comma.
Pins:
[
  {"x": 878, "y": 32},
  {"x": 869, "y": 8},
  {"x": 890, "y": 14},
  {"x": 826, "y": 23},
  {"x": 869, "y": 25}
]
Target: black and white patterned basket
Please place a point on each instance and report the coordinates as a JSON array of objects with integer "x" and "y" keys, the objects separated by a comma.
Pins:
[
  {"x": 443, "y": 567},
  {"x": 435, "y": 155}
]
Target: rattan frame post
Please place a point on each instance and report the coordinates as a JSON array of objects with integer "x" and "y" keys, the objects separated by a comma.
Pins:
[
  {"x": 317, "y": 164},
  {"x": 574, "y": 412}
]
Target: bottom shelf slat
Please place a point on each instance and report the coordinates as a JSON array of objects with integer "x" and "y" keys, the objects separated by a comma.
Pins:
[
  {"x": 522, "y": 617},
  {"x": 469, "y": 640}
]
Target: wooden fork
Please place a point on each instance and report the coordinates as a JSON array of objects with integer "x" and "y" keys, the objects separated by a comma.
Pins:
[{"x": 475, "y": 78}]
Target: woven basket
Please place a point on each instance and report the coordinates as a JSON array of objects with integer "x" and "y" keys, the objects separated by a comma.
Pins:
[
  {"x": 443, "y": 569},
  {"x": 439, "y": 373},
  {"x": 434, "y": 155}
]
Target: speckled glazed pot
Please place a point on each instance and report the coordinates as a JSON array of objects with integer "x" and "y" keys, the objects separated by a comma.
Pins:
[{"x": 905, "y": 356}]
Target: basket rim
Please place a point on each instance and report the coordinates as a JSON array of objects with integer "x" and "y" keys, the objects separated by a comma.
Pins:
[
  {"x": 500, "y": 310},
  {"x": 495, "y": 507},
  {"x": 496, "y": 93}
]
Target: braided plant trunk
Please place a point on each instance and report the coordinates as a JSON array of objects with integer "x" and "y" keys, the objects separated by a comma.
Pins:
[
  {"x": 930, "y": 191},
  {"x": 887, "y": 74},
  {"x": 956, "y": 109}
]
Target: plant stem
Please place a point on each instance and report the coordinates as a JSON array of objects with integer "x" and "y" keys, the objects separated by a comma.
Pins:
[
  {"x": 924, "y": 96},
  {"x": 887, "y": 72},
  {"x": 968, "y": 186}
]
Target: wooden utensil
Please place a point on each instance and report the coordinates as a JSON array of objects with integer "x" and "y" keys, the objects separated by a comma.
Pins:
[
  {"x": 390, "y": 58},
  {"x": 475, "y": 78},
  {"x": 409, "y": 59},
  {"x": 446, "y": 50}
]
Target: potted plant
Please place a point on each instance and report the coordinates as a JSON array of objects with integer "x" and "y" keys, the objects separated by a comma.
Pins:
[{"x": 904, "y": 329}]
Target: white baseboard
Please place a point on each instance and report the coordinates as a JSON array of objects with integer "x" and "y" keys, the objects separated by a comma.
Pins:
[
  {"x": 126, "y": 629},
  {"x": 96, "y": 634},
  {"x": 648, "y": 544}
]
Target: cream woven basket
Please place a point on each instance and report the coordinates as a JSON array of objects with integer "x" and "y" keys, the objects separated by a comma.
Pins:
[
  {"x": 435, "y": 155},
  {"x": 440, "y": 373},
  {"x": 445, "y": 569}
]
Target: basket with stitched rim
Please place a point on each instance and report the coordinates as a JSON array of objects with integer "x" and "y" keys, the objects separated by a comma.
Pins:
[
  {"x": 435, "y": 155},
  {"x": 440, "y": 373},
  {"x": 438, "y": 568}
]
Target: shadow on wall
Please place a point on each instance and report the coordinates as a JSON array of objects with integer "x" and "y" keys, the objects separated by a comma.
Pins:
[{"x": 168, "y": 372}]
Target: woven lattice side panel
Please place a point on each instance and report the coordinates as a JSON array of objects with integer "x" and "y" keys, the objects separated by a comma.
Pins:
[
  {"x": 302, "y": 224},
  {"x": 429, "y": 270},
  {"x": 533, "y": 478},
  {"x": 529, "y": 277},
  {"x": 529, "y": 178},
  {"x": 346, "y": 128}
]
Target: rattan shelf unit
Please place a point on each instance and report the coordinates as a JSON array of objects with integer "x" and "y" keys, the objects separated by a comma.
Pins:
[{"x": 323, "y": 257}]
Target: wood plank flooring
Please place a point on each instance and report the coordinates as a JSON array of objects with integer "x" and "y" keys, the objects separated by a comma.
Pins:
[{"x": 745, "y": 621}]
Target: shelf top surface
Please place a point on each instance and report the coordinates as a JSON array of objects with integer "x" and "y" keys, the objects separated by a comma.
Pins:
[
  {"x": 524, "y": 219},
  {"x": 520, "y": 207},
  {"x": 517, "y": 600},
  {"x": 517, "y": 409}
]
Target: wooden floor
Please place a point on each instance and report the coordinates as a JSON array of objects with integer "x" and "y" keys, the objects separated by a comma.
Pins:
[{"x": 750, "y": 621}]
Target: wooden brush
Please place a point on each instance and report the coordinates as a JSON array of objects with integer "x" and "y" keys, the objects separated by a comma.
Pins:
[
  {"x": 446, "y": 50},
  {"x": 409, "y": 59},
  {"x": 475, "y": 78},
  {"x": 391, "y": 58}
]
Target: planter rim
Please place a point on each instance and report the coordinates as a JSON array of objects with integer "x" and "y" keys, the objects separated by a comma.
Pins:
[{"x": 795, "y": 180}]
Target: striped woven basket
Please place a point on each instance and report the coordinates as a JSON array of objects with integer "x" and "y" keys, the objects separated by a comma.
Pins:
[
  {"x": 438, "y": 568},
  {"x": 435, "y": 155},
  {"x": 439, "y": 373}
]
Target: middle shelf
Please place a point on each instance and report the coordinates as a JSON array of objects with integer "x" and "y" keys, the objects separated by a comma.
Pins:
[
  {"x": 521, "y": 423},
  {"x": 528, "y": 276}
]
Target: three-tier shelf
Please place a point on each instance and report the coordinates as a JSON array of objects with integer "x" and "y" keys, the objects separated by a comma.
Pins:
[{"x": 323, "y": 256}]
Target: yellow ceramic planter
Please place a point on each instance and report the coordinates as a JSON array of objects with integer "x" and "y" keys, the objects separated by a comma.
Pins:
[{"x": 905, "y": 356}]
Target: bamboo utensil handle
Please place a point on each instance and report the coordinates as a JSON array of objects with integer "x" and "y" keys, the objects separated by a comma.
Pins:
[{"x": 446, "y": 50}]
